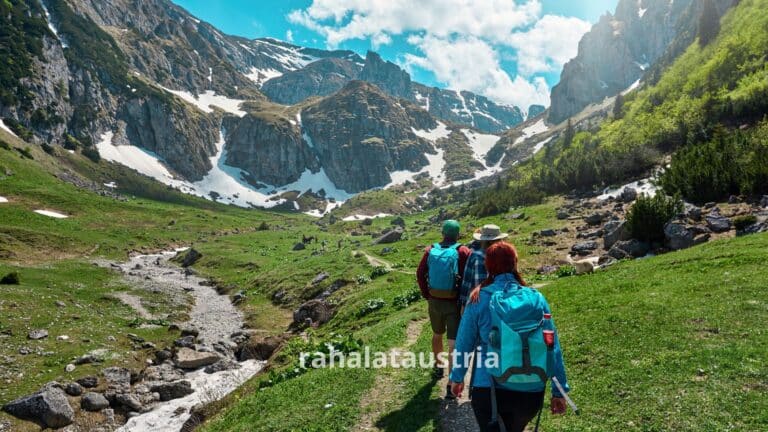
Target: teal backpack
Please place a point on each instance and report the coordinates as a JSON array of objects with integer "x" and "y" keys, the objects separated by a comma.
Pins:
[
  {"x": 517, "y": 336},
  {"x": 517, "y": 339},
  {"x": 443, "y": 265}
]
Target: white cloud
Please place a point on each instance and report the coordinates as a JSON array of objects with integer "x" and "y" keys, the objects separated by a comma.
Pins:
[
  {"x": 468, "y": 63},
  {"x": 289, "y": 35},
  {"x": 459, "y": 40},
  {"x": 548, "y": 45}
]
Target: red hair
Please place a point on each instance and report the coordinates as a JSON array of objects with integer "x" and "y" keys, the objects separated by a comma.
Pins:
[{"x": 500, "y": 258}]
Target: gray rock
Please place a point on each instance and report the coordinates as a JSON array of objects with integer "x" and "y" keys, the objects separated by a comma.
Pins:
[
  {"x": 48, "y": 407},
  {"x": 629, "y": 249},
  {"x": 118, "y": 379},
  {"x": 73, "y": 389},
  {"x": 547, "y": 269},
  {"x": 174, "y": 390},
  {"x": 548, "y": 233},
  {"x": 561, "y": 215},
  {"x": 318, "y": 311},
  {"x": 60, "y": 304},
  {"x": 693, "y": 212},
  {"x": 390, "y": 237},
  {"x": 399, "y": 221},
  {"x": 70, "y": 368},
  {"x": 129, "y": 401},
  {"x": 594, "y": 219},
  {"x": 678, "y": 236},
  {"x": 93, "y": 401},
  {"x": 628, "y": 195},
  {"x": 190, "y": 359},
  {"x": 163, "y": 355},
  {"x": 615, "y": 231},
  {"x": 190, "y": 331},
  {"x": 185, "y": 342},
  {"x": 88, "y": 382},
  {"x": 764, "y": 201},
  {"x": 320, "y": 277},
  {"x": 299, "y": 246},
  {"x": 222, "y": 365},
  {"x": 718, "y": 223},
  {"x": 37, "y": 334},
  {"x": 191, "y": 256},
  {"x": 584, "y": 248}
]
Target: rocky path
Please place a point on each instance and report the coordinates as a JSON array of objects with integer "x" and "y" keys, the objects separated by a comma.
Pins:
[
  {"x": 212, "y": 317},
  {"x": 456, "y": 415}
]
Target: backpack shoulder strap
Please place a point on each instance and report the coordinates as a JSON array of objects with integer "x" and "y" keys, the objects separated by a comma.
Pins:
[{"x": 456, "y": 246}]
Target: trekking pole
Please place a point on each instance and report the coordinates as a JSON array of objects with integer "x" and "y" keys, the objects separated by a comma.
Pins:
[{"x": 568, "y": 400}]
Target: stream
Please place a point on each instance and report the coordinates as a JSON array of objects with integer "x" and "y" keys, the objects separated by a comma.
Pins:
[{"x": 211, "y": 314}]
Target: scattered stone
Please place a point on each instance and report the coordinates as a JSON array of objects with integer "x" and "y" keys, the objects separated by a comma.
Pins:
[
  {"x": 399, "y": 221},
  {"x": 299, "y": 246},
  {"x": 764, "y": 201},
  {"x": 615, "y": 231},
  {"x": 60, "y": 303},
  {"x": 222, "y": 365},
  {"x": 320, "y": 277},
  {"x": 693, "y": 212},
  {"x": 109, "y": 415},
  {"x": 190, "y": 331},
  {"x": 135, "y": 338},
  {"x": 517, "y": 216},
  {"x": 701, "y": 239},
  {"x": 88, "y": 382},
  {"x": 594, "y": 219},
  {"x": 163, "y": 355},
  {"x": 129, "y": 401},
  {"x": 49, "y": 407},
  {"x": 584, "y": 248},
  {"x": 547, "y": 270},
  {"x": 190, "y": 359},
  {"x": 25, "y": 351},
  {"x": 628, "y": 195},
  {"x": 709, "y": 205},
  {"x": 174, "y": 390},
  {"x": 318, "y": 311},
  {"x": 93, "y": 401},
  {"x": 185, "y": 342},
  {"x": 548, "y": 233},
  {"x": 718, "y": 223},
  {"x": 118, "y": 379},
  {"x": 390, "y": 237},
  {"x": 70, "y": 368},
  {"x": 678, "y": 236},
  {"x": 606, "y": 260},
  {"x": 73, "y": 389},
  {"x": 62, "y": 338},
  {"x": 38, "y": 334},
  {"x": 629, "y": 249},
  {"x": 191, "y": 256}
]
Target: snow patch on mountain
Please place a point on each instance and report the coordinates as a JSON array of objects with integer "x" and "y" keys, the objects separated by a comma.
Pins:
[
  {"x": 205, "y": 101},
  {"x": 6, "y": 128},
  {"x": 260, "y": 76},
  {"x": 52, "y": 214},
  {"x": 480, "y": 143},
  {"x": 534, "y": 129},
  {"x": 52, "y": 27},
  {"x": 143, "y": 161},
  {"x": 540, "y": 145},
  {"x": 629, "y": 89}
]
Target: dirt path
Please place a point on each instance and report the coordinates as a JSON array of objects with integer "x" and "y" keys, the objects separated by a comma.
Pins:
[
  {"x": 381, "y": 395},
  {"x": 456, "y": 415},
  {"x": 378, "y": 262}
]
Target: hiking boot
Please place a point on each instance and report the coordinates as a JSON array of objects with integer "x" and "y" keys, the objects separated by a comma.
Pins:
[
  {"x": 438, "y": 372},
  {"x": 449, "y": 394}
]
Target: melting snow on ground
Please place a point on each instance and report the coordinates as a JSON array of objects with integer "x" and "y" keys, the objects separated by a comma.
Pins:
[
  {"x": 52, "y": 214},
  {"x": 3, "y": 200},
  {"x": 534, "y": 129},
  {"x": 480, "y": 143},
  {"x": 143, "y": 161},
  {"x": 6, "y": 128},
  {"x": 208, "y": 387},
  {"x": 540, "y": 145},
  {"x": 260, "y": 76},
  {"x": 359, "y": 217},
  {"x": 206, "y": 100},
  {"x": 647, "y": 187}
]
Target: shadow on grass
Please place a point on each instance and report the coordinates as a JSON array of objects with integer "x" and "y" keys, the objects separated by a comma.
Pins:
[{"x": 420, "y": 411}]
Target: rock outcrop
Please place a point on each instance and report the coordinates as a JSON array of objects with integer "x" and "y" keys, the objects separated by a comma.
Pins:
[
  {"x": 319, "y": 78},
  {"x": 48, "y": 407}
]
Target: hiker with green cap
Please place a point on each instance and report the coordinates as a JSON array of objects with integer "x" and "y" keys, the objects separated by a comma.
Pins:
[{"x": 439, "y": 276}]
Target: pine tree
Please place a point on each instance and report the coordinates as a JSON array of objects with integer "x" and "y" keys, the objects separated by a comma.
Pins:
[
  {"x": 569, "y": 134},
  {"x": 709, "y": 23},
  {"x": 618, "y": 106}
]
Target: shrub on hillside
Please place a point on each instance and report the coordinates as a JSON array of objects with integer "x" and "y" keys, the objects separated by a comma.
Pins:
[
  {"x": 732, "y": 164},
  {"x": 743, "y": 222},
  {"x": 11, "y": 278},
  {"x": 647, "y": 217},
  {"x": 371, "y": 306},
  {"x": 402, "y": 301},
  {"x": 92, "y": 154},
  {"x": 379, "y": 271}
]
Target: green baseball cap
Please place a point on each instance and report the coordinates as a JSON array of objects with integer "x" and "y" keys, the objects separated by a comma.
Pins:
[{"x": 451, "y": 228}]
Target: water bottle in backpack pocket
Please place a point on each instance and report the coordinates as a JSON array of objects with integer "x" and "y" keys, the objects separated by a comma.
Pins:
[
  {"x": 443, "y": 266},
  {"x": 517, "y": 337}
]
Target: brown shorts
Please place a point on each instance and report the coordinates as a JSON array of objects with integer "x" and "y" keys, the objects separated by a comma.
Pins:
[{"x": 444, "y": 317}]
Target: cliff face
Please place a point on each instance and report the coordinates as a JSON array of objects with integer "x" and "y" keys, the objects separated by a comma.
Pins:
[
  {"x": 619, "y": 49},
  {"x": 319, "y": 78},
  {"x": 360, "y": 135}
]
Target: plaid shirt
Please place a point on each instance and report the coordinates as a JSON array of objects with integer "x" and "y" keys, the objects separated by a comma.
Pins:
[{"x": 474, "y": 274}]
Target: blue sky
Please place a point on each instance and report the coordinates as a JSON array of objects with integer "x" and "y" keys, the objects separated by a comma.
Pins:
[{"x": 511, "y": 51}]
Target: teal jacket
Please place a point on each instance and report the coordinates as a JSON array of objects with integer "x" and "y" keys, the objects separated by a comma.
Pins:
[{"x": 473, "y": 332}]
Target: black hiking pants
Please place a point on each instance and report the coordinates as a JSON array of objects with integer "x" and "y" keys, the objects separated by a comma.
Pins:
[{"x": 516, "y": 409}]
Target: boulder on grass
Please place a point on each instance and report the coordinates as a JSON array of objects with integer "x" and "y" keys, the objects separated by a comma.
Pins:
[
  {"x": 315, "y": 311},
  {"x": 391, "y": 236},
  {"x": 615, "y": 231},
  {"x": 678, "y": 236},
  {"x": 718, "y": 223},
  {"x": 48, "y": 407},
  {"x": 173, "y": 390},
  {"x": 190, "y": 359},
  {"x": 629, "y": 249},
  {"x": 93, "y": 401}
]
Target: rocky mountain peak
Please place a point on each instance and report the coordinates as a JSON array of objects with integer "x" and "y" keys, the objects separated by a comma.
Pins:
[{"x": 387, "y": 75}]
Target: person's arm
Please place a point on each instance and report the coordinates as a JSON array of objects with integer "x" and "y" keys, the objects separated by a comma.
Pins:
[
  {"x": 421, "y": 275},
  {"x": 559, "y": 365},
  {"x": 466, "y": 341}
]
